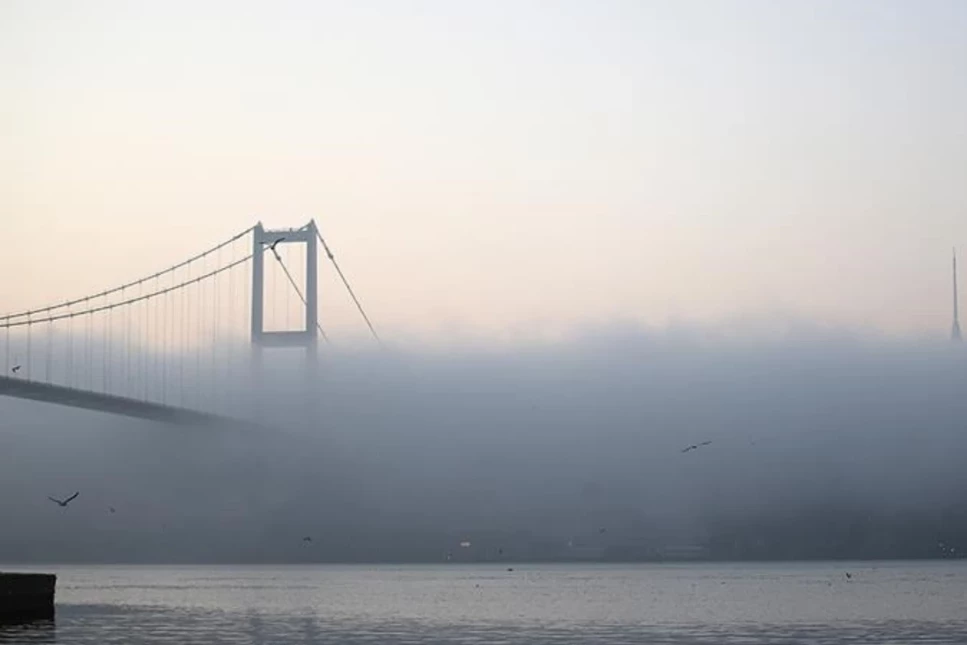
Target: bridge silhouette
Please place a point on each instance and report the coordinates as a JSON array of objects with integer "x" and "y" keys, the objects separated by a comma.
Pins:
[{"x": 182, "y": 345}]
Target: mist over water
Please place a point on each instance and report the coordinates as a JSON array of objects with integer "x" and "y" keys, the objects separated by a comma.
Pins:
[{"x": 823, "y": 445}]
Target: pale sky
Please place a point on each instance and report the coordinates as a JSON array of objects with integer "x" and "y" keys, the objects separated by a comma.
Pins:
[{"x": 500, "y": 166}]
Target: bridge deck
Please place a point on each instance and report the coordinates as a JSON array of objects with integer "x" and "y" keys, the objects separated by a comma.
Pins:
[{"x": 109, "y": 403}]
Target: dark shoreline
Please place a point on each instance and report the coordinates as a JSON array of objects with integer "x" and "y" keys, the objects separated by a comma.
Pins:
[{"x": 26, "y": 596}]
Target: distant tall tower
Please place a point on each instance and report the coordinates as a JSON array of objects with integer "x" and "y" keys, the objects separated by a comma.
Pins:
[{"x": 955, "y": 330}]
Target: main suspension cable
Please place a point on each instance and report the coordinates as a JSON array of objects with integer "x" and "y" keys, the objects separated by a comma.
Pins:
[
  {"x": 134, "y": 283},
  {"x": 359, "y": 305},
  {"x": 129, "y": 301},
  {"x": 298, "y": 291}
]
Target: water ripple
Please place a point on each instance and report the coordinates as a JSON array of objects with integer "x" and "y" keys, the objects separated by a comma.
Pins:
[
  {"x": 88, "y": 625},
  {"x": 700, "y": 605}
]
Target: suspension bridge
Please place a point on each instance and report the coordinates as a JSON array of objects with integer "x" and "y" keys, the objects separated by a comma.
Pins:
[{"x": 183, "y": 345}]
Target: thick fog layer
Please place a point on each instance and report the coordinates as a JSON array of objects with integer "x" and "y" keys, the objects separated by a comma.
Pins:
[{"x": 821, "y": 446}]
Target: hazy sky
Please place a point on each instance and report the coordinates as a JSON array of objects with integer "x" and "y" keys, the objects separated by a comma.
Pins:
[{"x": 502, "y": 166}]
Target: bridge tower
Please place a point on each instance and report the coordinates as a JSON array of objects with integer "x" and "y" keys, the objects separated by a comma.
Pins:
[{"x": 265, "y": 241}]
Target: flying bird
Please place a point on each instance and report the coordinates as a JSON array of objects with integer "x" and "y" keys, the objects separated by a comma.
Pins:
[
  {"x": 65, "y": 502},
  {"x": 111, "y": 508},
  {"x": 307, "y": 539},
  {"x": 696, "y": 446},
  {"x": 15, "y": 369}
]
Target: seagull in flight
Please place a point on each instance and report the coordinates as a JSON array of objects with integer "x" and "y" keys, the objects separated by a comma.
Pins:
[
  {"x": 15, "y": 369},
  {"x": 696, "y": 446},
  {"x": 275, "y": 243},
  {"x": 63, "y": 503}
]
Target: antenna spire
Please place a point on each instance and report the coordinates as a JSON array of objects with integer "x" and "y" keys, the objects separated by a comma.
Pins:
[{"x": 955, "y": 330}]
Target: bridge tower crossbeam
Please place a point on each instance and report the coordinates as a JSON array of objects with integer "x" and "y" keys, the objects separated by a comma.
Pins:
[{"x": 268, "y": 239}]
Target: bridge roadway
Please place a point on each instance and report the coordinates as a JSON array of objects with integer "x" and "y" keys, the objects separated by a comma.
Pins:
[{"x": 109, "y": 403}]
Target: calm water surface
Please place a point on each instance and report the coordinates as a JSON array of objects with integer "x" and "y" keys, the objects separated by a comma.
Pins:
[{"x": 749, "y": 604}]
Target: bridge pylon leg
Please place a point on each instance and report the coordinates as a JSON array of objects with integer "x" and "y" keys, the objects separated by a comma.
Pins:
[{"x": 266, "y": 241}]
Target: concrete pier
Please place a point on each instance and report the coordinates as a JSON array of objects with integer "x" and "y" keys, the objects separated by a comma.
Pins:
[{"x": 26, "y": 596}]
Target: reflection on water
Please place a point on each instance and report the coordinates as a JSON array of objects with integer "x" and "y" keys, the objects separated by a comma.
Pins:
[
  {"x": 90, "y": 625},
  {"x": 775, "y": 604},
  {"x": 40, "y": 631}
]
